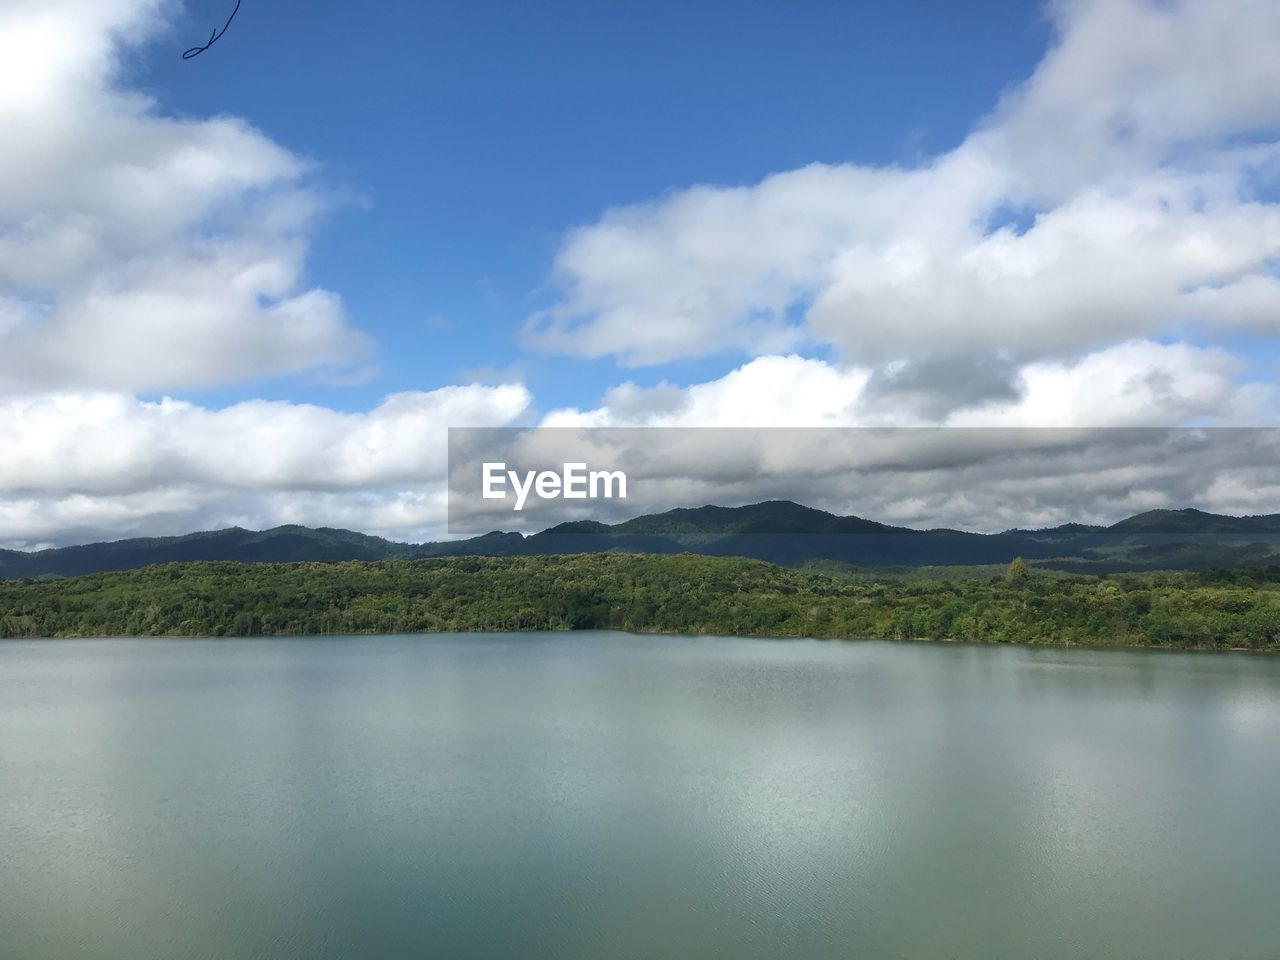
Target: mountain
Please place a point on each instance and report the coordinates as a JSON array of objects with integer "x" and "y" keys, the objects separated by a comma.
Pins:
[
  {"x": 779, "y": 531},
  {"x": 1195, "y": 522},
  {"x": 279, "y": 544}
]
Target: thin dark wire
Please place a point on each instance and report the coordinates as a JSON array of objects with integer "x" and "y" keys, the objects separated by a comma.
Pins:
[{"x": 196, "y": 51}]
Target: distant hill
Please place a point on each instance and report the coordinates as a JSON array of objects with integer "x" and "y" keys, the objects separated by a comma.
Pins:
[
  {"x": 277, "y": 545},
  {"x": 779, "y": 531},
  {"x": 1196, "y": 522}
]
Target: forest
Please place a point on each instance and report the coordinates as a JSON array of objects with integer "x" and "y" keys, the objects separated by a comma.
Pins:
[{"x": 1237, "y": 608}]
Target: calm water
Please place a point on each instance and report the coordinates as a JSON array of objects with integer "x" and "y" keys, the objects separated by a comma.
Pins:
[{"x": 606, "y": 796}]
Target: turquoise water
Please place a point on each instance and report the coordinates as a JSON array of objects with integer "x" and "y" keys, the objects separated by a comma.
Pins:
[{"x": 602, "y": 795}]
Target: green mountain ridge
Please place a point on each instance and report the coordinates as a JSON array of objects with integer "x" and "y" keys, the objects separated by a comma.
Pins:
[
  {"x": 1195, "y": 521},
  {"x": 778, "y": 531}
]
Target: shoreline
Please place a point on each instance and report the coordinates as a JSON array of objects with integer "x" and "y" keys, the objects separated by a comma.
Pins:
[
  {"x": 922, "y": 641},
  {"x": 646, "y": 594}
]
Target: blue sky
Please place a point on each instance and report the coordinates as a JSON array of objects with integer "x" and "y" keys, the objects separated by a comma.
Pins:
[
  {"x": 472, "y": 135},
  {"x": 257, "y": 286}
]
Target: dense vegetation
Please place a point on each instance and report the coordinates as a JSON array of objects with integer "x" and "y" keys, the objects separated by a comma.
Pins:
[{"x": 684, "y": 594}]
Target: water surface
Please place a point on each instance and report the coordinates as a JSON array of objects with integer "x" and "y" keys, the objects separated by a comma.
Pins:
[{"x": 598, "y": 795}]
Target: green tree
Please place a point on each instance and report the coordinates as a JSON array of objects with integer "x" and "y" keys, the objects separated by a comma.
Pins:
[{"x": 1017, "y": 571}]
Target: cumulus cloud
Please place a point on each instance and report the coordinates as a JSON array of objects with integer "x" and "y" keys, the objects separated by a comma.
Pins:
[
  {"x": 977, "y": 478},
  {"x": 1136, "y": 383},
  {"x": 772, "y": 391},
  {"x": 1044, "y": 273},
  {"x": 139, "y": 251},
  {"x": 1135, "y": 84},
  {"x": 1120, "y": 192},
  {"x": 111, "y": 463},
  {"x": 1087, "y": 439}
]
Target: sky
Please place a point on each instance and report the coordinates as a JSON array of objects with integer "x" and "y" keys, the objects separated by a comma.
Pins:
[{"x": 257, "y": 286}]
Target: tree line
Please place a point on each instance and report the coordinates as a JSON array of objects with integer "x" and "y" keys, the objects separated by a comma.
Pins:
[{"x": 649, "y": 593}]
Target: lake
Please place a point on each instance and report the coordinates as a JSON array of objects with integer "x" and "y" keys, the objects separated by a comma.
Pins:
[{"x": 599, "y": 795}]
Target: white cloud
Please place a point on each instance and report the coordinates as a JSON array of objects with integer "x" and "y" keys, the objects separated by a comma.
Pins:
[
  {"x": 1046, "y": 454},
  {"x": 1136, "y": 383},
  {"x": 84, "y": 466},
  {"x": 138, "y": 251},
  {"x": 772, "y": 391},
  {"x": 113, "y": 464},
  {"x": 103, "y": 443},
  {"x": 1114, "y": 199},
  {"x": 1120, "y": 192},
  {"x": 1132, "y": 84}
]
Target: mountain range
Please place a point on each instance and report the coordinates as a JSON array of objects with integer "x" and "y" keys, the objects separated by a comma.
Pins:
[{"x": 779, "y": 531}]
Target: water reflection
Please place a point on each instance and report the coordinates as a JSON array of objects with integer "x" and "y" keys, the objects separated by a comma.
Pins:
[{"x": 603, "y": 795}]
